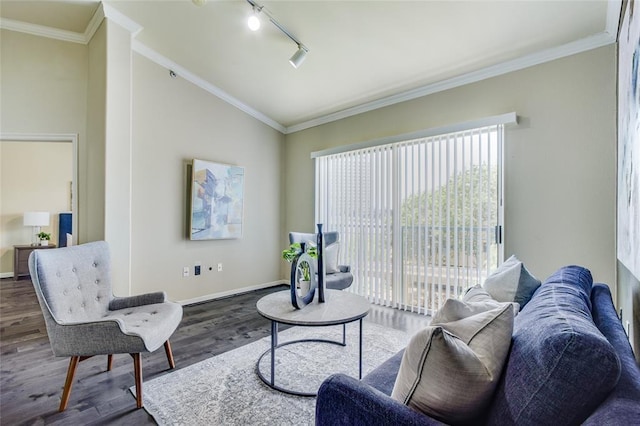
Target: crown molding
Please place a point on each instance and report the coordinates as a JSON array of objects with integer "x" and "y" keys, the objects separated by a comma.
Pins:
[
  {"x": 121, "y": 19},
  {"x": 165, "y": 62},
  {"x": 93, "y": 24},
  {"x": 614, "y": 8},
  {"x": 527, "y": 61},
  {"x": 41, "y": 31},
  {"x": 607, "y": 37}
]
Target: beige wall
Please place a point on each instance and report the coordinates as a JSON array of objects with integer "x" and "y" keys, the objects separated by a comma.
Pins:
[
  {"x": 92, "y": 190},
  {"x": 560, "y": 160},
  {"x": 117, "y": 221},
  {"x": 34, "y": 176},
  {"x": 43, "y": 89},
  {"x": 173, "y": 123}
]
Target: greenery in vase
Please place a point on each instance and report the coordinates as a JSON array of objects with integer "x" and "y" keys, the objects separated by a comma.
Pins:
[
  {"x": 293, "y": 251},
  {"x": 44, "y": 236}
]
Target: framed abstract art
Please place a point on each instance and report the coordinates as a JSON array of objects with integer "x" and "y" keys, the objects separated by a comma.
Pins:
[
  {"x": 217, "y": 201},
  {"x": 629, "y": 140}
]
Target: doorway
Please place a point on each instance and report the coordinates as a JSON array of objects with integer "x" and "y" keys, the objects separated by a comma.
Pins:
[{"x": 39, "y": 173}]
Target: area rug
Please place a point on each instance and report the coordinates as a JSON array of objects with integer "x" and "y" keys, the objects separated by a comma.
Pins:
[{"x": 225, "y": 389}]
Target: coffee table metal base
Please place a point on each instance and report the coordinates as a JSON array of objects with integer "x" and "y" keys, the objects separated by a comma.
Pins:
[{"x": 274, "y": 345}]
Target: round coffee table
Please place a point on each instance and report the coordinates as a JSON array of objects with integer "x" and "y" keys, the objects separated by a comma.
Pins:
[{"x": 340, "y": 308}]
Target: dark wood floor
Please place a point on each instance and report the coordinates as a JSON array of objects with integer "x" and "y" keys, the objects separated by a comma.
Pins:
[{"x": 31, "y": 378}]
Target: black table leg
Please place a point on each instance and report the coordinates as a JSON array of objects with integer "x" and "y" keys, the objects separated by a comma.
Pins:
[{"x": 360, "y": 354}]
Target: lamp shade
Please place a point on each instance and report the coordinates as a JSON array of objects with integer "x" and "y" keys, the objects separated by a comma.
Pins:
[{"x": 36, "y": 219}]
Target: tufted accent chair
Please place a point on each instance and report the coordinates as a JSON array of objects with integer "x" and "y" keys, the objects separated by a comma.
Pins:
[
  {"x": 83, "y": 318},
  {"x": 337, "y": 280}
]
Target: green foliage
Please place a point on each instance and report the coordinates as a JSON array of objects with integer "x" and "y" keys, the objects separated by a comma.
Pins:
[
  {"x": 471, "y": 207},
  {"x": 457, "y": 212},
  {"x": 44, "y": 236},
  {"x": 294, "y": 250}
]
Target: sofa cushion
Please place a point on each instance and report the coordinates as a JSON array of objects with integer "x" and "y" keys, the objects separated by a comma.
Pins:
[
  {"x": 450, "y": 369},
  {"x": 622, "y": 406},
  {"x": 560, "y": 367},
  {"x": 512, "y": 282},
  {"x": 384, "y": 376}
]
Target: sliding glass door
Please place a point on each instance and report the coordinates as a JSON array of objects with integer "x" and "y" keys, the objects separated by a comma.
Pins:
[{"x": 420, "y": 220}]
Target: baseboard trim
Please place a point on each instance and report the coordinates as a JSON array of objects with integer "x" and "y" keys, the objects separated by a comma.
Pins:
[
  {"x": 234, "y": 292},
  {"x": 6, "y": 274}
]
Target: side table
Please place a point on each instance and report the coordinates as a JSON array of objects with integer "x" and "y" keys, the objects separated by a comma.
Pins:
[
  {"x": 21, "y": 259},
  {"x": 340, "y": 308}
]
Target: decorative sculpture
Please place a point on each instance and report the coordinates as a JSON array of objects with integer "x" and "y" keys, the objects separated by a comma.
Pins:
[
  {"x": 302, "y": 262},
  {"x": 321, "y": 270}
]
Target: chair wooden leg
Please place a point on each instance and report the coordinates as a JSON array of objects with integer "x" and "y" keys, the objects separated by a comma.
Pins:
[
  {"x": 109, "y": 362},
  {"x": 68, "y": 384},
  {"x": 137, "y": 368},
  {"x": 167, "y": 349}
]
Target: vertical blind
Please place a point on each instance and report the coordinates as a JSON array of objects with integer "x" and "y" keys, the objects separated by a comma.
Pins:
[{"x": 419, "y": 220}]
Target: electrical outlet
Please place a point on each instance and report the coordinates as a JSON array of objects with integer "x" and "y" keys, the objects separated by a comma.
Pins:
[
  {"x": 185, "y": 271},
  {"x": 196, "y": 270},
  {"x": 219, "y": 267}
]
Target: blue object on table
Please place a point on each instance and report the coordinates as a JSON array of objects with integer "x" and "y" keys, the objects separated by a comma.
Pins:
[{"x": 64, "y": 228}]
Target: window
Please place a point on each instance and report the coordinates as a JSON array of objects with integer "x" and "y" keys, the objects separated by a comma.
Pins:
[{"x": 420, "y": 219}]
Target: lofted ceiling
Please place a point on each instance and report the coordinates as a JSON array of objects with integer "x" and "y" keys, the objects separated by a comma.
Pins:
[{"x": 362, "y": 54}]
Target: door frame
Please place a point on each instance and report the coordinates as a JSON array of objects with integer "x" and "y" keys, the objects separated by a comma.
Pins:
[{"x": 71, "y": 138}]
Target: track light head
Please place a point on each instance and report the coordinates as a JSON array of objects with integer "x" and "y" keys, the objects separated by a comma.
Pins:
[
  {"x": 298, "y": 58},
  {"x": 254, "y": 22}
]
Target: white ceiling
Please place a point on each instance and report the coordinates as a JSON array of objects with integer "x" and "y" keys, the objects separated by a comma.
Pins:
[{"x": 363, "y": 54}]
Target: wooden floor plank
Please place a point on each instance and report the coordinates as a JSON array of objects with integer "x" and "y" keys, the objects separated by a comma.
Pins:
[{"x": 31, "y": 378}]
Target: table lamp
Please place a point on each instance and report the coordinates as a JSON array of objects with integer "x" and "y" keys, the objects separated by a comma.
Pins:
[{"x": 36, "y": 219}]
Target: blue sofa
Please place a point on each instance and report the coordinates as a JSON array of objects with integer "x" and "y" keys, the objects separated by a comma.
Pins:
[{"x": 570, "y": 363}]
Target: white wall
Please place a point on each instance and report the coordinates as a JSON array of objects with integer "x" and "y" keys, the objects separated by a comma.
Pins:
[
  {"x": 173, "y": 123},
  {"x": 560, "y": 161}
]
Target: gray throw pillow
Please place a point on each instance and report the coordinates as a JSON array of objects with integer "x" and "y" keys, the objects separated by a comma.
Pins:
[
  {"x": 512, "y": 282},
  {"x": 450, "y": 369},
  {"x": 478, "y": 296},
  {"x": 330, "y": 256}
]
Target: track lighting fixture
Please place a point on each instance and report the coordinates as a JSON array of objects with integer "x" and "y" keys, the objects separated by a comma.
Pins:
[
  {"x": 254, "y": 24},
  {"x": 298, "y": 57},
  {"x": 254, "y": 21}
]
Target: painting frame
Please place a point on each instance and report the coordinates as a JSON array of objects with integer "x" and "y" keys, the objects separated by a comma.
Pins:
[
  {"x": 216, "y": 207},
  {"x": 628, "y": 179}
]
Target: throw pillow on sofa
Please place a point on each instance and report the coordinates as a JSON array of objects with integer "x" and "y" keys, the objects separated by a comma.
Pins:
[
  {"x": 478, "y": 296},
  {"x": 450, "y": 369},
  {"x": 512, "y": 282},
  {"x": 560, "y": 367}
]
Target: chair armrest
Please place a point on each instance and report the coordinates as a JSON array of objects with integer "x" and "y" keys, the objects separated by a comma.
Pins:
[
  {"x": 137, "y": 300},
  {"x": 344, "y": 268},
  {"x": 343, "y": 400}
]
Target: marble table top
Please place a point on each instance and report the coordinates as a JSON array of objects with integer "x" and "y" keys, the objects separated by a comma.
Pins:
[{"x": 340, "y": 307}]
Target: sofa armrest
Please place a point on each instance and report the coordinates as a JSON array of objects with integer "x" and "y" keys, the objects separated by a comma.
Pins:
[
  {"x": 344, "y": 268},
  {"x": 343, "y": 400},
  {"x": 137, "y": 300}
]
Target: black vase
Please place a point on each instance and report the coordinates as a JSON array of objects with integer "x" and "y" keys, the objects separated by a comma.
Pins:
[{"x": 320, "y": 248}]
